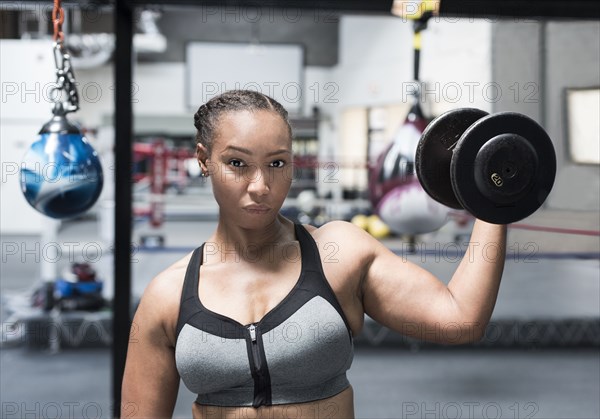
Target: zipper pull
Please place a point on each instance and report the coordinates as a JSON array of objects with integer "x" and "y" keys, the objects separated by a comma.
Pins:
[{"x": 252, "y": 330}]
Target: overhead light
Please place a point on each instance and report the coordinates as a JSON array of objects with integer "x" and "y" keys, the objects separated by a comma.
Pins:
[
  {"x": 90, "y": 50},
  {"x": 150, "y": 40},
  {"x": 415, "y": 9},
  {"x": 94, "y": 50},
  {"x": 149, "y": 43}
]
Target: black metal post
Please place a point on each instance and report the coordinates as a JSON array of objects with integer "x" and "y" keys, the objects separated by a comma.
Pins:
[{"x": 123, "y": 196}]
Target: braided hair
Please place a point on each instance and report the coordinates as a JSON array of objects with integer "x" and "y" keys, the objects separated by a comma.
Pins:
[{"x": 206, "y": 120}]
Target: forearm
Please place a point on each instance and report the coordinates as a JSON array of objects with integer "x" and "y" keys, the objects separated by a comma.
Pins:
[{"x": 474, "y": 286}]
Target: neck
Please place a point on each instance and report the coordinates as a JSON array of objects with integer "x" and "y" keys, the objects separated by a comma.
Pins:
[{"x": 238, "y": 242}]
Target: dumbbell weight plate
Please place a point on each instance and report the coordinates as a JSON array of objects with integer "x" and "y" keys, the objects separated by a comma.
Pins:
[
  {"x": 434, "y": 153},
  {"x": 503, "y": 168}
]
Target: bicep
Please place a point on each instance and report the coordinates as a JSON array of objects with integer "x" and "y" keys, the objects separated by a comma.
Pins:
[
  {"x": 405, "y": 297},
  {"x": 151, "y": 380}
]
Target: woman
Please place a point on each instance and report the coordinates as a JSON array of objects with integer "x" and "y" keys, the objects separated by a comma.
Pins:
[{"x": 259, "y": 320}]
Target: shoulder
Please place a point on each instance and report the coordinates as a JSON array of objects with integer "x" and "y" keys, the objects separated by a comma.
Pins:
[
  {"x": 333, "y": 226},
  {"x": 350, "y": 244},
  {"x": 342, "y": 232},
  {"x": 169, "y": 281},
  {"x": 159, "y": 304}
]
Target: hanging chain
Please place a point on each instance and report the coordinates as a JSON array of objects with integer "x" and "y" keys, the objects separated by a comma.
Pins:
[
  {"x": 58, "y": 17},
  {"x": 65, "y": 78}
]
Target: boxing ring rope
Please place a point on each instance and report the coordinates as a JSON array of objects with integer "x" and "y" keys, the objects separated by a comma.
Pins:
[{"x": 558, "y": 230}]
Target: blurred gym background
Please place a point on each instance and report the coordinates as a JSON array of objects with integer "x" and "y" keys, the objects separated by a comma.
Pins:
[{"x": 345, "y": 71}]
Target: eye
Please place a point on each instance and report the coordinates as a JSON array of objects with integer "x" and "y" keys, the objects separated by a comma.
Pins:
[
  {"x": 281, "y": 163},
  {"x": 236, "y": 163}
]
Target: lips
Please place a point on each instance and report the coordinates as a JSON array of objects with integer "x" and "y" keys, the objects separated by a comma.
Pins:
[{"x": 257, "y": 208}]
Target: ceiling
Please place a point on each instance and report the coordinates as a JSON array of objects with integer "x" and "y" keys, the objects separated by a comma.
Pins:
[{"x": 314, "y": 24}]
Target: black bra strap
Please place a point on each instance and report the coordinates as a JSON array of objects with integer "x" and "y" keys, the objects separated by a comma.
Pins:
[
  {"x": 189, "y": 289},
  {"x": 310, "y": 253},
  {"x": 190, "y": 283}
]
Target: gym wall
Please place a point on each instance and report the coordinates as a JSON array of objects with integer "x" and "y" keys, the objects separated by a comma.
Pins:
[
  {"x": 375, "y": 69},
  {"x": 523, "y": 66},
  {"x": 540, "y": 60}
]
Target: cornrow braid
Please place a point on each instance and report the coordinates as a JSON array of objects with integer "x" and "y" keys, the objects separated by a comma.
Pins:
[{"x": 206, "y": 120}]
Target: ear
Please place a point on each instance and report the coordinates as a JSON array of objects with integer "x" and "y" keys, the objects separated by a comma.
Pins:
[{"x": 202, "y": 156}]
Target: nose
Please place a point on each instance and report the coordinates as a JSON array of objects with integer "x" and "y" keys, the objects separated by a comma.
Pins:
[{"x": 258, "y": 184}]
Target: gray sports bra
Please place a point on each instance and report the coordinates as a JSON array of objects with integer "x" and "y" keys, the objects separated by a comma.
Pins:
[{"x": 298, "y": 352}]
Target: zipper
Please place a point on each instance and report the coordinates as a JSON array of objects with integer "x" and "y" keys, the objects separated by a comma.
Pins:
[
  {"x": 255, "y": 349},
  {"x": 260, "y": 373}
]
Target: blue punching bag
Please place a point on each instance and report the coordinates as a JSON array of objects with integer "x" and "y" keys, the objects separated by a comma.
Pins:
[{"x": 61, "y": 174}]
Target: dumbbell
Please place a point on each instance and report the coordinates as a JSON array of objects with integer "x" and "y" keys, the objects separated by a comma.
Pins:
[{"x": 499, "y": 167}]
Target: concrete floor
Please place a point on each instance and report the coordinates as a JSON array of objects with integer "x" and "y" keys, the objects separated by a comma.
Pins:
[{"x": 388, "y": 382}]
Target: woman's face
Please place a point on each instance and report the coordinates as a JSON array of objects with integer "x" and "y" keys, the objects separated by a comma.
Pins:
[{"x": 250, "y": 166}]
